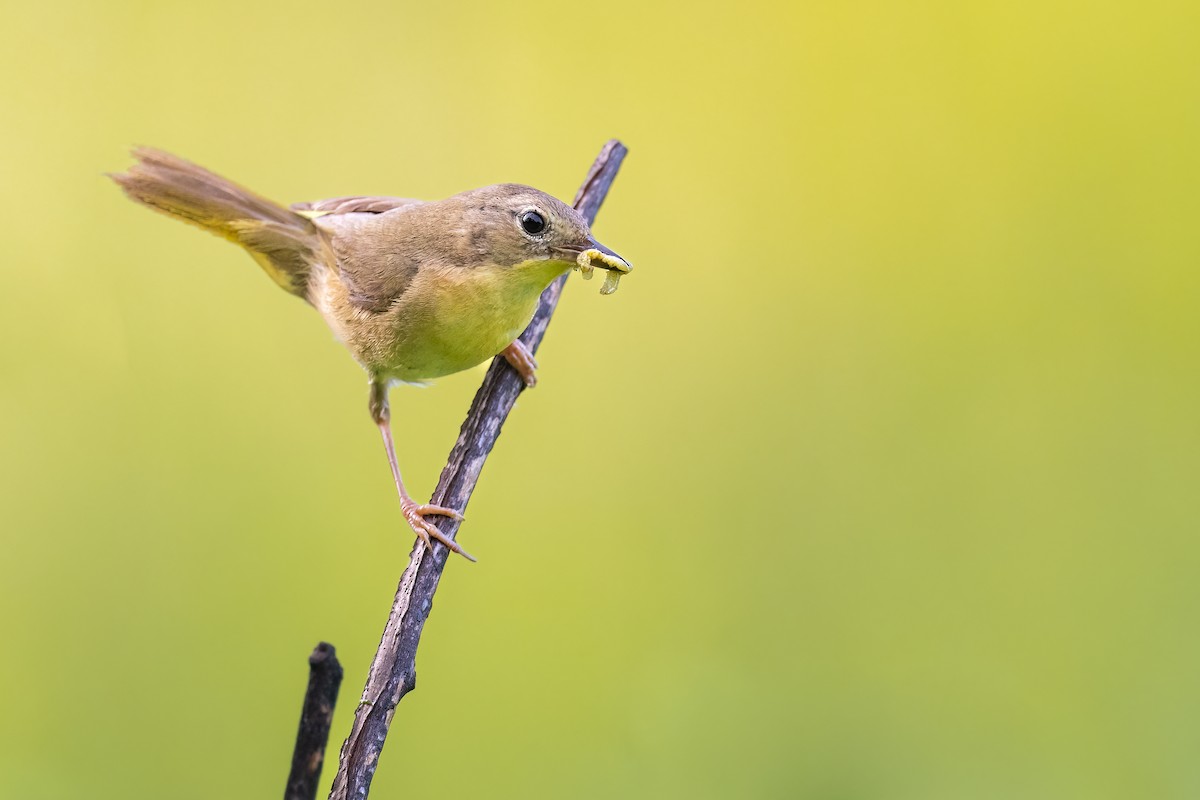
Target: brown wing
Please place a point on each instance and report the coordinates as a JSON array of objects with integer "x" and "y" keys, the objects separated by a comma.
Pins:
[
  {"x": 352, "y": 205},
  {"x": 378, "y": 250},
  {"x": 372, "y": 268}
]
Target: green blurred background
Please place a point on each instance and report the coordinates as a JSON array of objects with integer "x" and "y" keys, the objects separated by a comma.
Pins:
[{"x": 877, "y": 479}]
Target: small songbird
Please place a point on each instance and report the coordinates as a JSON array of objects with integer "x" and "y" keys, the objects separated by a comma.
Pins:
[{"x": 415, "y": 290}]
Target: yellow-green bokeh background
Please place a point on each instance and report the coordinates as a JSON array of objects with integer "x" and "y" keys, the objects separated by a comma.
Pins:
[{"x": 877, "y": 479}]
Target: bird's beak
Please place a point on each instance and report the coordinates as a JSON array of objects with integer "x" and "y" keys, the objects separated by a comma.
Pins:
[
  {"x": 603, "y": 258},
  {"x": 593, "y": 255}
]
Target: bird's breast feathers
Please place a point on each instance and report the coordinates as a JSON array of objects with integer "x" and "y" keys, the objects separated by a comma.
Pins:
[{"x": 449, "y": 319}]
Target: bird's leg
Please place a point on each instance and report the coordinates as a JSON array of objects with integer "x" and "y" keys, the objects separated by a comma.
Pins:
[
  {"x": 414, "y": 513},
  {"x": 520, "y": 358}
]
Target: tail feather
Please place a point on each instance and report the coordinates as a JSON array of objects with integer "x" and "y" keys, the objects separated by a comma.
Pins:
[{"x": 283, "y": 242}]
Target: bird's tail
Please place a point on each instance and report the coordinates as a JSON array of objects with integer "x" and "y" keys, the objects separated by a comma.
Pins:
[{"x": 284, "y": 243}]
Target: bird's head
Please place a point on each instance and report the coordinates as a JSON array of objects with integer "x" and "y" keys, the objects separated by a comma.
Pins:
[{"x": 520, "y": 227}]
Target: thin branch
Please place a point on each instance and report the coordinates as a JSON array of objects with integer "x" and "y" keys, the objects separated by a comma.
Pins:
[
  {"x": 316, "y": 717},
  {"x": 393, "y": 671}
]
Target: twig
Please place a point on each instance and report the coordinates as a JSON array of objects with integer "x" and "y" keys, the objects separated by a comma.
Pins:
[
  {"x": 324, "y": 678},
  {"x": 393, "y": 671}
]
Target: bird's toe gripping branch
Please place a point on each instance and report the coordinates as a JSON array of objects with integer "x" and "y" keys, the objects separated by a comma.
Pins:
[
  {"x": 427, "y": 531},
  {"x": 521, "y": 359}
]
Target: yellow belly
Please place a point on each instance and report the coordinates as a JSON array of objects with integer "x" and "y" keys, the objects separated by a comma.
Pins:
[{"x": 452, "y": 318}]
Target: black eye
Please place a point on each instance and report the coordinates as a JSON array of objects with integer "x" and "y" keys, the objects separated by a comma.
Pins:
[{"x": 532, "y": 222}]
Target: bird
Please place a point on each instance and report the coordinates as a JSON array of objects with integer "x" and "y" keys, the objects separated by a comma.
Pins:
[{"x": 415, "y": 290}]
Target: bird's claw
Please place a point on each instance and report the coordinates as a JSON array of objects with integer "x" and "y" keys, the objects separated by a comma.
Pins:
[{"x": 427, "y": 531}]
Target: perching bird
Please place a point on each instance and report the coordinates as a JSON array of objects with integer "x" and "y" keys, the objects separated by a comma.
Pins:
[{"x": 415, "y": 290}]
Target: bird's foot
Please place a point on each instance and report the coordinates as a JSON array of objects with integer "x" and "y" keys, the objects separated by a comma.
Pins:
[
  {"x": 521, "y": 359},
  {"x": 427, "y": 531}
]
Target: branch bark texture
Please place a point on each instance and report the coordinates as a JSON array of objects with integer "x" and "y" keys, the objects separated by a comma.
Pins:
[{"x": 393, "y": 671}]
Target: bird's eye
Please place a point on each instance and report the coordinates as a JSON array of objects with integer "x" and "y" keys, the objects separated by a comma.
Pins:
[{"x": 532, "y": 222}]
